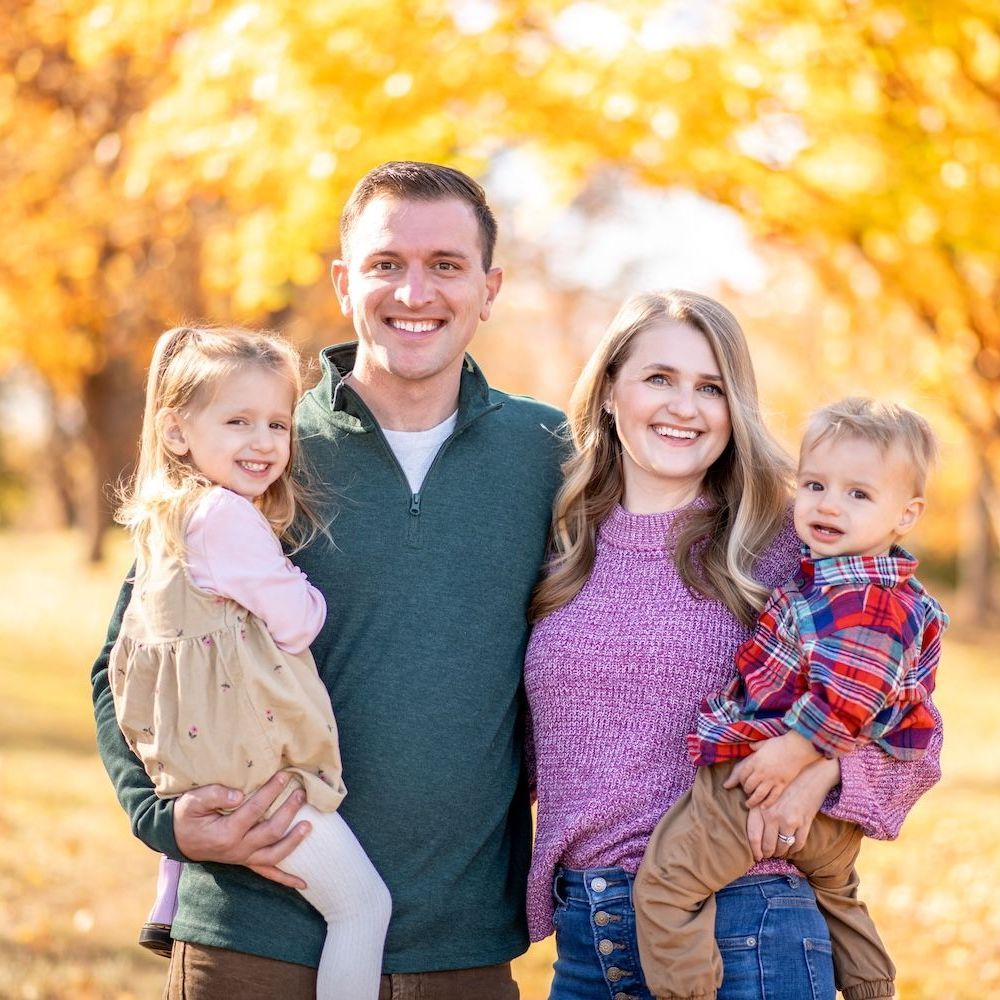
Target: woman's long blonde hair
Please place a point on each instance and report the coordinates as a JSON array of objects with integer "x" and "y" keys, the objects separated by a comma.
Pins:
[
  {"x": 747, "y": 489},
  {"x": 187, "y": 366}
]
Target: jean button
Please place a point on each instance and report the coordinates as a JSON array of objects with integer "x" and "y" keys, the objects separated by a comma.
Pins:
[
  {"x": 622, "y": 996},
  {"x": 598, "y": 884},
  {"x": 751, "y": 941},
  {"x": 602, "y": 919},
  {"x": 614, "y": 974},
  {"x": 605, "y": 947}
]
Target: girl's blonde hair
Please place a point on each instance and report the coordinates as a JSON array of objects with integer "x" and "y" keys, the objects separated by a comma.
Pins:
[
  {"x": 747, "y": 489},
  {"x": 188, "y": 365}
]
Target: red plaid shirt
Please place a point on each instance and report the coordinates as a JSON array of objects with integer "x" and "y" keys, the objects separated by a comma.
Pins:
[{"x": 845, "y": 654}]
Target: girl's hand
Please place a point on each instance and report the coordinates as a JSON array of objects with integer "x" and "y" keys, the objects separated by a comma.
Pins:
[
  {"x": 792, "y": 813},
  {"x": 241, "y": 836}
]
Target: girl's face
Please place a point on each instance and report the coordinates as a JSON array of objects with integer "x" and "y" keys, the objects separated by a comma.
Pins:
[
  {"x": 240, "y": 438},
  {"x": 671, "y": 415}
]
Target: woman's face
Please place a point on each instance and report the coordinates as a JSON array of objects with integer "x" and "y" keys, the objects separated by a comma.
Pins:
[{"x": 671, "y": 415}]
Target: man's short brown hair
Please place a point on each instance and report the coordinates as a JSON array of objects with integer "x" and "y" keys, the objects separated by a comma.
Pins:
[{"x": 414, "y": 181}]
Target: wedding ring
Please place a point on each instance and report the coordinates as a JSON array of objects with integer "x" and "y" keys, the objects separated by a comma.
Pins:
[{"x": 786, "y": 838}]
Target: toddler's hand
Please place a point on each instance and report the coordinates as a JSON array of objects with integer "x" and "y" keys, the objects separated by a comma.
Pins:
[{"x": 773, "y": 765}]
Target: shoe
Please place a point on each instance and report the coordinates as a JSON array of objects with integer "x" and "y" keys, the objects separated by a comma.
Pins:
[{"x": 156, "y": 938}]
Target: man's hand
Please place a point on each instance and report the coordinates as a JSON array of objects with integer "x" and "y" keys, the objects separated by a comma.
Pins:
[
  {"x": 242, "y": 836},
  {"x": 772, "y": 767},
  {"x": 792, "y": 813}
]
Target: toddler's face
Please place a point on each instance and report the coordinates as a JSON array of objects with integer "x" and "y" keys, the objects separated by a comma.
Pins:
[
  {"x": 854, "y": 499},
  {"x": 241, "y": 437}
]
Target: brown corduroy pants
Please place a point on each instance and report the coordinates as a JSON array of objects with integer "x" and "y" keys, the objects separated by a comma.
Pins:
[{"x": 699, "y": 847}]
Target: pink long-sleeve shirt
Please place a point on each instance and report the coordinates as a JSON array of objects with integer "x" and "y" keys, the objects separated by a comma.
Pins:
[
  {"x": 614, "y": 680},
  {"x": 232, "y": 551}
]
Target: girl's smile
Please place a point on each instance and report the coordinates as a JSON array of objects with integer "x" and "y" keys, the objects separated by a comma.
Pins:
[{"x": 241, "y": 437}]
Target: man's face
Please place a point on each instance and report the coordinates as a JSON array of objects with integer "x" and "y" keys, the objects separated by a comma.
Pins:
[{"x": 413, "y": 282}]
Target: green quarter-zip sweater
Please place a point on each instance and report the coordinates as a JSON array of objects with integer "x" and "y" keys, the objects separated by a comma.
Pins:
[{"x": 422, "y": 653}]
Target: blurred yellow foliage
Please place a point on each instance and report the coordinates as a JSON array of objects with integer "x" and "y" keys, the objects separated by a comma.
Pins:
[{"x": 189, "y": 158}]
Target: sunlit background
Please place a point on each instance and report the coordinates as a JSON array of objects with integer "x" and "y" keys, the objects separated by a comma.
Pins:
[{"x": 830, "y": 169}]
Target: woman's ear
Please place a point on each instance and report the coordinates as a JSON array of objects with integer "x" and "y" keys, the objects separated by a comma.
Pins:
[{"x": 172, "y": 432}]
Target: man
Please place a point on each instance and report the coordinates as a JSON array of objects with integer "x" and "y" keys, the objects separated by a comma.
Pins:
[{"x": 441, "y": 490}]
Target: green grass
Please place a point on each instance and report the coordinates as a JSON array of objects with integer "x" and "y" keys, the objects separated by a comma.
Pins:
[{"x": 75, "y": 885}]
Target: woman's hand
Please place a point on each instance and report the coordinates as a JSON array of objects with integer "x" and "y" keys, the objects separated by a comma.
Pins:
[
  {"x": 792, "y": 813},
  {"x": 242, "y": 836}
]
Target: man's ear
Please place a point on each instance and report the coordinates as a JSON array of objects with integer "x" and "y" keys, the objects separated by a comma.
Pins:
[
  {"x": 338, "y": 275},
  {"x": 909, "y": 515},
  {"x": 494, "y": 279},
  {"x": 172, "y": 432}
]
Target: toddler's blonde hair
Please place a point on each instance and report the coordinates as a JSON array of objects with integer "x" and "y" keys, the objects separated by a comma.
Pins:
[
  {"x": 881, "y": 424},
  {"x": 188, "y": 364}
]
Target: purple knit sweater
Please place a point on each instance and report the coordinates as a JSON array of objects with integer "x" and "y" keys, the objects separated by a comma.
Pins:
[{"x": 614, "y": 680}]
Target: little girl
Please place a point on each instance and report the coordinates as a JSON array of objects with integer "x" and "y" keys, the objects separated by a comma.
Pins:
[{"x": 212, "y": 677}]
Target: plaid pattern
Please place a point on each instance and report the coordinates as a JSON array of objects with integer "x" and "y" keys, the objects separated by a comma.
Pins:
[{"x": 845, "y": 654}]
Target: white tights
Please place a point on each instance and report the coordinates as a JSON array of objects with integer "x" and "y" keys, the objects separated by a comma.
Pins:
[{"x": 344, "y": 886}]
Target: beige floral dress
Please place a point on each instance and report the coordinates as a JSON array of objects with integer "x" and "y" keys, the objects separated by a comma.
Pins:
[{"x": 204, "y": 696}]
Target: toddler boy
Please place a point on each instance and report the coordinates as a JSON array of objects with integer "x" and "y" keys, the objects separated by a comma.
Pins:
[{"x": 845, "y": 654}]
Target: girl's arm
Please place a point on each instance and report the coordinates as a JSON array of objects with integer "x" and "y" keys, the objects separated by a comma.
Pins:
[{"x": 233, "y": 552}]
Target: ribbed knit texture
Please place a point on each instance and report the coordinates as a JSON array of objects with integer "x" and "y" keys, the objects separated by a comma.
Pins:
[{"x": 614, "y": 680}]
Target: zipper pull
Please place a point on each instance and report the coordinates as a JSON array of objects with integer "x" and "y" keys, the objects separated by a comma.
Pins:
[{"x": 415, "y": 504}]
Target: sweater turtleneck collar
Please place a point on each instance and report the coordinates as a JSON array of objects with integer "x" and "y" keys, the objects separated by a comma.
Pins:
[{"x": 641, "y": 532}]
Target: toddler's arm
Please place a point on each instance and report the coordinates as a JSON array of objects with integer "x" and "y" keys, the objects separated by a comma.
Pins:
[
  {"x": 773, "y": 765},
  {"x": 233, "y": 552}
]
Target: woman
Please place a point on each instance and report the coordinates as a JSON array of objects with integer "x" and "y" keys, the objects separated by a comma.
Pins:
[{"x": 671, "y": 529}]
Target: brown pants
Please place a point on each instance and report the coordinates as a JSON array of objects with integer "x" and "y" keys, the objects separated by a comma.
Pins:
[
  {"x": 699, "y": 847},
  {"x": 198, "y": 972}
]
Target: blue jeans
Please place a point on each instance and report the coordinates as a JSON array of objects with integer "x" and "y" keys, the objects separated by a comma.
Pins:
[{"x": 774, "y": 942}]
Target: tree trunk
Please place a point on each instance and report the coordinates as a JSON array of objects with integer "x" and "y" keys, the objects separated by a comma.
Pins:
[
  {"x": 112, "y": 401},
  {"x": 976, "y": 549},
  {"x": 64, "y": 483}
]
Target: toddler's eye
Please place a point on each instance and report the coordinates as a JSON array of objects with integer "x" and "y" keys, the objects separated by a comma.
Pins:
[{"x": 858, "y": 495}]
